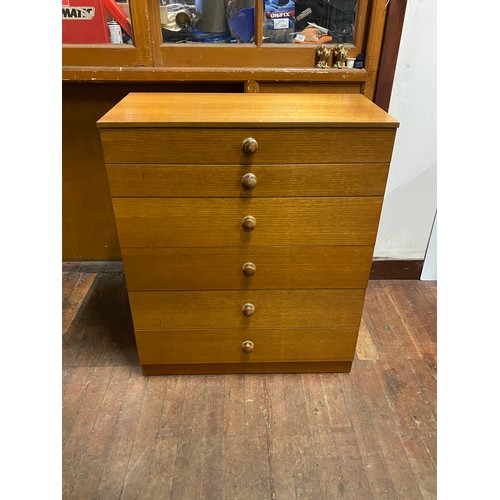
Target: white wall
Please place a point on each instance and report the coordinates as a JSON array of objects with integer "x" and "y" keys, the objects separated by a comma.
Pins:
[{"x": 410, "y": 200}]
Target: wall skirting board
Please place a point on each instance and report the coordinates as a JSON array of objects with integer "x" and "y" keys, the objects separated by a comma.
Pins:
[
  {"x": 396, "y": 269},
  {"x": 380, "y": 270}
]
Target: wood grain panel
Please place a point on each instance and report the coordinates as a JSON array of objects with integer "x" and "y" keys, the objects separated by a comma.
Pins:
[
  {"x": 310, "y": 87},
  {"x": 223, "y": 146},
  {"x": 221, "y": 268},
  {"x": 206, "y": 110},
  {"x": 196, "y": 222},
  {"x": 224, "y": 346},
  {"x": 159, "y": 180},
  {"x": 218, "y": 56},
  {"x": 88, "y": 227},
  {"x": 222, "y": 309}
]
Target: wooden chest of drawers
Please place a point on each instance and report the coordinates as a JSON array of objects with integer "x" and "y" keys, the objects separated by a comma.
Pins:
[{"x": 246, "y": 224}]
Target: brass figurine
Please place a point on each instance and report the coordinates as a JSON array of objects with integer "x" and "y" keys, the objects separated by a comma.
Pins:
[
  {"x": 323, "y": 54},
  {"x": 340, "y": 55}
]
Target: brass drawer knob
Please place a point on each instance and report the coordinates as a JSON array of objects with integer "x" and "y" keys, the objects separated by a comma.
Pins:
[
  {"x": 249, "y": 223},
  {"x": 247, "y": 346},
  {"x": 249, "y": 268},
  {"x": 248, "y": 310},
  {"x": 249, "y": 146},
  {"x": 249, "y": 181}
]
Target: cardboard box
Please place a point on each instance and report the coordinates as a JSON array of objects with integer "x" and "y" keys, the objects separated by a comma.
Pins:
[{"x": 84, "y": 21}]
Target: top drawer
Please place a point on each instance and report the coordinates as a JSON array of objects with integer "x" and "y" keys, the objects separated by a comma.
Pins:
[{"x": 224, "y": 145}]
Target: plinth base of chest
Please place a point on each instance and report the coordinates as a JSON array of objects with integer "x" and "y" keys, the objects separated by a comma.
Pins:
[{"x": 323, "y": 367}]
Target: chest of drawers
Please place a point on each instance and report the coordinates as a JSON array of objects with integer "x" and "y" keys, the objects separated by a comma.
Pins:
[{"x": 246, "y": 225}]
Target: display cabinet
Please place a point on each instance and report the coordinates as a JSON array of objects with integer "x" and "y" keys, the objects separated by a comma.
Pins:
[
  {"x": 230, "y": 46},
  {"x": 250, "y": 41}
]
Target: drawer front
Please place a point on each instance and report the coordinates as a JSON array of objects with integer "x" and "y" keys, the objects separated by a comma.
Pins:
[
  {"x": 196, "y": 222},
  {"x": 179, "y": 181},
  {"x": 266, "y": 267},
  {"x": 223, "y": 309},
  {"x": 225, "y": 346},
  {"x": 223, "y": 146}
]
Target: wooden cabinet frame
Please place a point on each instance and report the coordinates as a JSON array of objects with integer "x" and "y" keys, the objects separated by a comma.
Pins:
[
  {"x": 109, "y": 55},
  {"x": 252, "y": 64},
  {"x": 263, "y": 55}
]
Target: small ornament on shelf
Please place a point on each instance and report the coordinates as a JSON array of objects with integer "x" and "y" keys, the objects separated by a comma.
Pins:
[
  {"x": 323, "y": 54},
  {"x": 339, "y": 56}
]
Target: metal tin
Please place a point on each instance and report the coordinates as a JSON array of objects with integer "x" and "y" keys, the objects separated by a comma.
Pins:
[
  {"x": 115, "y": 32},
  {"x": 212, "y": 16}
]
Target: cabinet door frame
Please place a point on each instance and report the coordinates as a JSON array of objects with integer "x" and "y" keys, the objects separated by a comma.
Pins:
[
  {"x": 251, "y": 55},
  {"x": 149, "y": 50},
  {"x": 149, "y": 60},
  {"x": 110, "y": 55}
]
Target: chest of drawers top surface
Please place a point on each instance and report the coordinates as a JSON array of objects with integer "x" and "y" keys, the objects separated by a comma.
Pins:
[{"x": 245, "y": 110}]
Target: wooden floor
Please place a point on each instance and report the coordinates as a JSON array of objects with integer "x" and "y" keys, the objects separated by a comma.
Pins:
[{"x": 370, "y": 434}]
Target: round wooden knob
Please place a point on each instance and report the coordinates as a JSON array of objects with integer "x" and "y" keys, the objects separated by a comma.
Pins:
[
  {"x": 249, "y": 181},
  {"x": 249, "y": 268},
  {"x": 249, "y": 222},
  {"x": 248, "y": 310},
  {"x": 249, "y": 146},
  {"x": 247, "y": 346}
]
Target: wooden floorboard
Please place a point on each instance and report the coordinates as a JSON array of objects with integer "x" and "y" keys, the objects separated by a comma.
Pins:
[
  {"x": 75, "y": 288},
  {"x": 368, "y": 434}
]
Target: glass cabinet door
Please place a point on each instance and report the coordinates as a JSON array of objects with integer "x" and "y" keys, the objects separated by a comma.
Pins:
[
  {"x": 309, "y": 21},
  {"x": 234, "y": 21},
  {"x": 207, "y": 21},
  {"x": 96, "y": 22},
  {"x": 184, "y": 34}
]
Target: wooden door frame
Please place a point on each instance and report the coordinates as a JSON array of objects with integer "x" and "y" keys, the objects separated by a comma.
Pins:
[{"x": 389, "y": 52}]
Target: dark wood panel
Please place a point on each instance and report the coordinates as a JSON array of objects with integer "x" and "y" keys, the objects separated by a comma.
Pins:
[
  {"x": 310, "y": 87},
  {"x": 104, "y": 55},
  {"x": 217, "y": 56},
  {"x": 389, "y": 53},
  {"x": 202, "y": 78},
  {"x": 88, "y": 228},
  {"x": 396, "y": 269}
]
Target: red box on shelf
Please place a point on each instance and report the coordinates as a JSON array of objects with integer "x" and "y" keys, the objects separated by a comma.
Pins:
[{"x": 84, "y": 21}]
